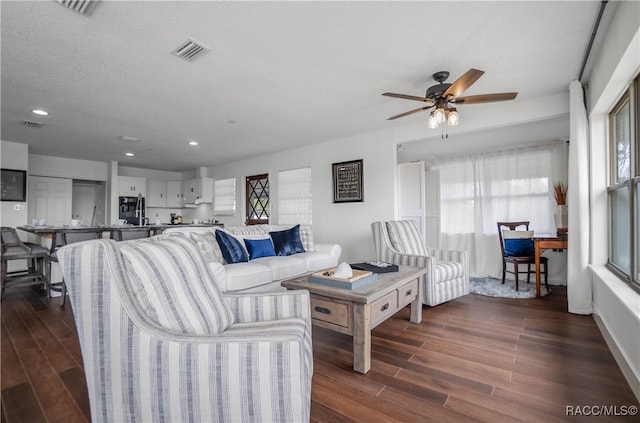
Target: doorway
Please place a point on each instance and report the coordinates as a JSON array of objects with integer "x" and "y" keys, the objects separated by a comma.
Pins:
[{"x": 88, "y": 202}]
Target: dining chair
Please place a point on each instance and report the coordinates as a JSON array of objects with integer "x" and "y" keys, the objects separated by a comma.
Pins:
[
  {"x": 517, "y": 249},
  {"x": 13, "y": 248}
]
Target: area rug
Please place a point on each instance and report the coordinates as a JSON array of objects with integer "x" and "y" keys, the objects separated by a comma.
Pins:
[{"x": 492, "y": 287}]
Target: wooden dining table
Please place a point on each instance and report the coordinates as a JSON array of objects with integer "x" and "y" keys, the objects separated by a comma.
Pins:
[{"x": 542, "y": 242}]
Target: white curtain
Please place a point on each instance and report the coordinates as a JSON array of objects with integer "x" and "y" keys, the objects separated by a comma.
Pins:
[
  {"x": 294, "y": 196},
  {"x": 480, "y": 190},
  {"x": 224, "y": 197},
  {"x": 579, "y": 294}
]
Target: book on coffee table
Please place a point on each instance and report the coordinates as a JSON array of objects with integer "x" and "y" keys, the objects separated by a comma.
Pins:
[
  {"x": 376, "y": 267},
  {"x": 359, "y": 278}
]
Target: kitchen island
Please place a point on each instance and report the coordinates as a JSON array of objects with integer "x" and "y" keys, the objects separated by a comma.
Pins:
[
  {"x": 118, "y": 232},
  {"x": 54, "y": 237}
]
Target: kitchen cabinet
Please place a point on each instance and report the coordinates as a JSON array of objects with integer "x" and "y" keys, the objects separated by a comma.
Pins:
[
  {"x": 164, "y": 194},
  {"x": 156, "y": 193},
  {"x": 174, "y": 194},
  {"x": 131, "y": 186},
  {"x": 198, "y": 190}
]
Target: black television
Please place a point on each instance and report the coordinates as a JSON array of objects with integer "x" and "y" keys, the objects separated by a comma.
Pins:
[{"x": 13, "y": 185}]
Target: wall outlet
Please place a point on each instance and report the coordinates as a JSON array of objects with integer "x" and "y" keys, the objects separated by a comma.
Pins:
[{"x": 18, "y": 207}]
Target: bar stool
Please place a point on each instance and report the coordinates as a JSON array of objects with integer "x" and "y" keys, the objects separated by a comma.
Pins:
[
  {"x": 61, "y": 238},
  {"x": 131, "y": 233},
  {"x": 14, "y": 249}
]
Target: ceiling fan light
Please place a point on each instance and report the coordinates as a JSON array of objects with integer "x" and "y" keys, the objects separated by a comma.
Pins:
[
  {"x": 433, "y": 124},
  {"x": 452, "y": 118},
  {"x": 438, "y": 115}
]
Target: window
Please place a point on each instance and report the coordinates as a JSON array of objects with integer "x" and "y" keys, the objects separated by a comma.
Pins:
[
  {"x": 224, "y": 197},
  {"x": 257, "y": 189},
  {"x": 477, "y": 191},
  {"x": 294, "y": 196},
  {"x": 502, "y": 186},
  {"x": 624, "y": 187}
]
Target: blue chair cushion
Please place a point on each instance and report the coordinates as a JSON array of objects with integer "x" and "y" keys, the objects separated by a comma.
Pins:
[
  {"x": 232, "y": 249},
  {"x": 518, "y": 247},
  {"x": 287, "y": 242},
  {"x": 259, "y": 248}
]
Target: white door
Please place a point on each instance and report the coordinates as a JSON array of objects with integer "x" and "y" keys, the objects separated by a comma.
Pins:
[
  {"x": 50, "y": 199},
  {"x": 411, "y": 193},
  {"x": 432, "y": 208}
]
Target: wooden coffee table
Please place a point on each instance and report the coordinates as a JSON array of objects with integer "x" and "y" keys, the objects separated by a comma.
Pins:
[{"x": 356, "y": 312}]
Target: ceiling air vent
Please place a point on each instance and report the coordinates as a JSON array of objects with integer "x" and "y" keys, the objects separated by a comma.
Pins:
[
  {"x": 84, "y": 7},
  {"x": 190, "y": 50},
  {"x": 31, "y": 124},
  {"x": 128, "y": 138}
]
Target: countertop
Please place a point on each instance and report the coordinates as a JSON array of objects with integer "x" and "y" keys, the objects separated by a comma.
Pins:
[{"x": 106, "y": 228}]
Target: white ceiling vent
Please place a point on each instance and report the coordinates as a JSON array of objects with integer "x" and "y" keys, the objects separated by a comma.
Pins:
[
  {"x": 31, "y": 124},
  {"x": 190, "y": 50},
  {"x": 84, "y": 7},
  {"x": 128, "y": 139}
]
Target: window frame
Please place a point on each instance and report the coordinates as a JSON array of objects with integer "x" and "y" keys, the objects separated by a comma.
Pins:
[
  {"x": 631, "y": 185},
  {"x": 249, "y": 207}
]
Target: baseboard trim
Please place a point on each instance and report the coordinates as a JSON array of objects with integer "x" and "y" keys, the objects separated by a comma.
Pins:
[{"x": 627, "y": 371}]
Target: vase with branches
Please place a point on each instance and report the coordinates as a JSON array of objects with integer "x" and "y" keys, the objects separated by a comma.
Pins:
[
  {"x": 561, "y": 217},
  {"x": 560, "y": 193}
]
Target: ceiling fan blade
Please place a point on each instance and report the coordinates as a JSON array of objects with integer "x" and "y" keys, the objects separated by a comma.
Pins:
[
  {"x": 462, "y": 83},
  {"x": 485, "y": 98},
  {"x": 408, "y": 97},
  {"x": 410, "y": 112}
]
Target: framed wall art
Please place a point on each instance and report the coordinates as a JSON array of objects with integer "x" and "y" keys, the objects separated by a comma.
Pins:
[
  {"x": 13, "y": 185},
  {"x": 347, "y": 182}
]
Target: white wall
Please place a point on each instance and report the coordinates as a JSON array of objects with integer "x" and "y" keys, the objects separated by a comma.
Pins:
[
  {"x": 60, "y": 167},
  {"x": 347, "y": 224},
  {"x": 13, "y": 156},
  {"x": 160, "y": 175},
  {"x": 616, "y": 305}
]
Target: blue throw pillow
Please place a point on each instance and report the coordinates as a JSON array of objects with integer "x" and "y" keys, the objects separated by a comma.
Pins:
[
  {"x": 287, "y": 242},
  {"x": 259, "y": 248},
  {"x": 232, "y": 250},
  {"x": 518, "y": 247}
]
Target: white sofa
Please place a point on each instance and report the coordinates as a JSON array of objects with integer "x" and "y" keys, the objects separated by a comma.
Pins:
[{"x": 262, "y": 274}]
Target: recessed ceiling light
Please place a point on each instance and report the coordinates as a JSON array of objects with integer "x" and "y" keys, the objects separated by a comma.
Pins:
[
  {"x": 193, "y": 142},
  {"x": 40, "y": 112},
  {"x": 129, "y": 154}
]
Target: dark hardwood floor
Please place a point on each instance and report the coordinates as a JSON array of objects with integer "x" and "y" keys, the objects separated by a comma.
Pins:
[{"x": 472, "y": 359}]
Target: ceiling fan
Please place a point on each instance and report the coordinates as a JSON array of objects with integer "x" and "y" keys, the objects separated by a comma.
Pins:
[{"x": 442, "y": 95}]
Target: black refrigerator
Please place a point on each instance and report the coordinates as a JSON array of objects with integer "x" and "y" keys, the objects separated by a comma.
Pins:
[{"x": 128, "y": 207}]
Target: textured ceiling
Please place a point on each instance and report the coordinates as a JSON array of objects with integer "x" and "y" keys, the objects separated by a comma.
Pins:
[{"x": 279, "y": 74}]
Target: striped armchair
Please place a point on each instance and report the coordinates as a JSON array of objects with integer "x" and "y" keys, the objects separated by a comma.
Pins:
[
  {"x": 160, "y": 342},
  {"x": 400, "y": 242}
]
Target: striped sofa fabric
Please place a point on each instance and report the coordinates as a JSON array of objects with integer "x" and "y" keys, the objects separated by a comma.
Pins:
[
  {"x": 161, "y": 343},
  {"x": 400, "y": 242}
]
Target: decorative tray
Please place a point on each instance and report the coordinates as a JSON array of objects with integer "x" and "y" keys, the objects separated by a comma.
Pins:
[{"x": 359, "y": 278}]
